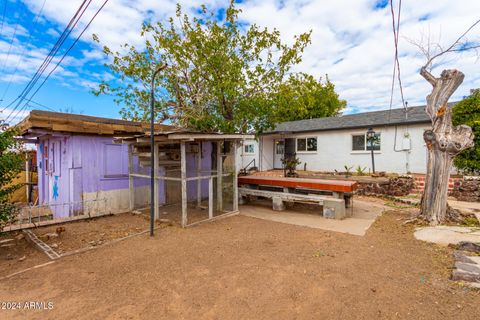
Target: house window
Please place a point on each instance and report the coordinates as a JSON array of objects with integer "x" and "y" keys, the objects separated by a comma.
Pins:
[
  {"x": 360, "y": 142},
  {"x": 249, "y": 148},
  {"x": 307, "y": 144},
  {"x": 280, "y": 147}
]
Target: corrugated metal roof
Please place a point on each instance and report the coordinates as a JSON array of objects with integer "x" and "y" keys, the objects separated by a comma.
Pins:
[{"x": 359, "y": 120}]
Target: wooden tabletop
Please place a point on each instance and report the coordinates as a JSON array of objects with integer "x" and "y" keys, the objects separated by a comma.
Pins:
[{"x": 317, "y": 184}]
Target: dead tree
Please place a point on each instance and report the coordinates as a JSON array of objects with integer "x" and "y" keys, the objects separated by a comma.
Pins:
[{"x": 443, "y": 142}]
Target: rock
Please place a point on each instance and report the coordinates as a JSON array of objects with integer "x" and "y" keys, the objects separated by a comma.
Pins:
[
  {"x": 20, "y": 236},
  {"x": 6, "y": 241},
  {"x": 458, "y": 275},
  {"x": 468, "y": 246},
  {"x": 54, "y": 245},
  {"x": 468, "y": 267},
  {"x": 48, "y": 236},
  {"x": 9, "y": 257},
  {"x": 460, "y": 256},
  {"x": 22, "y": 258}
]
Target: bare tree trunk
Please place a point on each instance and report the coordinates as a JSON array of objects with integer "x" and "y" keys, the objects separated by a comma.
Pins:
[{"x": 443, "y": 142}]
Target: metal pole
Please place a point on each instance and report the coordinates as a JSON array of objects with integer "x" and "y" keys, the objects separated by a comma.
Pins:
[
  {"x": 373, "y": 159},
  {"x": 152, "y": 149}
]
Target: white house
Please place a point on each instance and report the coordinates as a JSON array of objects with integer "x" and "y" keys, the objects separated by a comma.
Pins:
[{"x": 328, "y": 144}]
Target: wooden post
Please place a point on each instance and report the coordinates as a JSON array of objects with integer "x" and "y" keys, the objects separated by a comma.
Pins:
[
  {"x": 210, "y": 198},
  {"x": 235, "y": 177},
  {"x": 199, "y": 169},
  {"x": 157, "y": 182},
  {"x": 219, "y": 177},
  {"x": 27, "y": 178},
  {"x": 131, "y": 187},
  {"x": 183, "y": 166}
]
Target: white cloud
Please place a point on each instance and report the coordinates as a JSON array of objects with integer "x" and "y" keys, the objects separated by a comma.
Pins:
[{"x": 351, "y": 42}]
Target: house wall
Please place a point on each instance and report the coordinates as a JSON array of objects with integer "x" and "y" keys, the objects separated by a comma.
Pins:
[
  {"x": 244, "y": 158},
  {"x": 334, "y": 151}
]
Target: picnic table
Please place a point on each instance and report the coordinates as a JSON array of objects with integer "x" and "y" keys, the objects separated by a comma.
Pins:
[{"x": 341, "y": 191}]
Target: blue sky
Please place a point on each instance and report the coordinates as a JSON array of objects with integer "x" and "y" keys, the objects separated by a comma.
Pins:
[{"x": 352, "y": 42}]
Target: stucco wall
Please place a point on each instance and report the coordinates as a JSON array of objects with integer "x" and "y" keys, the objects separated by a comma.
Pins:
[{"x": 334, "y": 151}]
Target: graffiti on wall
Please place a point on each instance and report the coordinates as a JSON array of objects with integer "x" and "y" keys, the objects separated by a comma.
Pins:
[{"x": 55, "y": 188}]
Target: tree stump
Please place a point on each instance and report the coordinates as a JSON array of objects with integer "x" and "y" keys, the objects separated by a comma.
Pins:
[{"x": 443, "y": 142}]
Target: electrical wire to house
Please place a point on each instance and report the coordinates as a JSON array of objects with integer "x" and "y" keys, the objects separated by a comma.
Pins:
[
  {"x": 50, "y": 56},
  {"x": 25, "y": 46},
  {"x": 62, "y": 58}
]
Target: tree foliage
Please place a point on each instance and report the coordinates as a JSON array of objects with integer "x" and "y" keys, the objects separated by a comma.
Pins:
[
  {"x": 467, "y": 112},
  {"x": 10, "y": 166},
  {"x": 304, "y": 97},
  {"x": 221, "y": 75}
]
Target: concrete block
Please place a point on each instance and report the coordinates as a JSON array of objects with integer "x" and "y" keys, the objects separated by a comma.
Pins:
[
  {"x": 242, "y": 200},
  {"x": 334, "y": 209},
  {"x": 277, "y": 204}
]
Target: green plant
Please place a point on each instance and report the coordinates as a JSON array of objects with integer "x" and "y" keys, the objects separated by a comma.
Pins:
[
  {"x": 11, "y": 163},
  {"x": 221, "y": 75},
  {"x": 360, "y": 171},
  {"x": 290, "y": 164},
  {"x": 348, "y": 170},
  {"x": 467, "y": 112}
]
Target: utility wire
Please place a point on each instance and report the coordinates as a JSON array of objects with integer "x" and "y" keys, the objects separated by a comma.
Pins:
[
  {"x": 23, "y": 51},
  {"x": 70, "y": 48},
  {"x": 396, "y": 63},
  {"x": 3, "y": 15},
  {"x": 66, "y": 32},
  {"x": 10, "y": 47},
  {"x": 66, "y": 53}
]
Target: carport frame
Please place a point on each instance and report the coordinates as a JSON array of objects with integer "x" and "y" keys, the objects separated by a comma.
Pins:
[{"x": 184, "y": 137}]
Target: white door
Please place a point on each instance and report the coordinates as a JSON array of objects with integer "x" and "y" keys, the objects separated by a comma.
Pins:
[{"x": 279, "y": 146}]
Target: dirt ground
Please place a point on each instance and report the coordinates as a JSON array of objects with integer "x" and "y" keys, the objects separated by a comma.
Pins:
[
  {"x": 246, "y": 268},
  {"x": 93, "y": 232}
]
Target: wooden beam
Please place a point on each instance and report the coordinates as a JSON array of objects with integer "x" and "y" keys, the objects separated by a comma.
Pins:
[
  {"x": 235, "y": 177},
  {"x": 210, "y": 198},
  {"x": 199, "y": 171},
  {"x": 184, "y": 183},
  {"x": 219, "y": 177},
  {"x": 157, "y": 182},
  {"x": 204, "y": 136},
  {"x": 131, "y": 186}
]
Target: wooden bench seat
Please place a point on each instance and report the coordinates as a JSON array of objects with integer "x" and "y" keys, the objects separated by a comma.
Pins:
[{"x": 332, "y": 207}]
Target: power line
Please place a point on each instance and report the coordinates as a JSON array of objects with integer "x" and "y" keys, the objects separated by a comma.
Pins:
[
  {"x": 10, "y": 47},
  {"x": 66, "y": 32},
  {"x": 41, "y": 105},
  {"x": 68, "y": 50},
  {"x": 3, "y": 15},
  {"x": 23, "y": 51},
  {"x": 396, "y": 63}
]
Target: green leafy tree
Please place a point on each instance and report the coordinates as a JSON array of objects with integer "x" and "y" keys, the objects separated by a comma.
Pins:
[
  {"x": 467, "y": 112},
  {"x": 220, "y": 75},
  {"x": 11, "y": 163},
  {"x": 304, "y": 97}
]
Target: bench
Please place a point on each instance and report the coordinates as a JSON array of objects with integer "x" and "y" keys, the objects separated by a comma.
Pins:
[
  {"x": 338, "y": 188},
  {"x": 333, "y": 208}
]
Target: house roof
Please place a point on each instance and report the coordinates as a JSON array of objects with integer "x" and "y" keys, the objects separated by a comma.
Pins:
[
  {"x": 359, "y": 120},
  {"x": 45, "y": 121}
]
